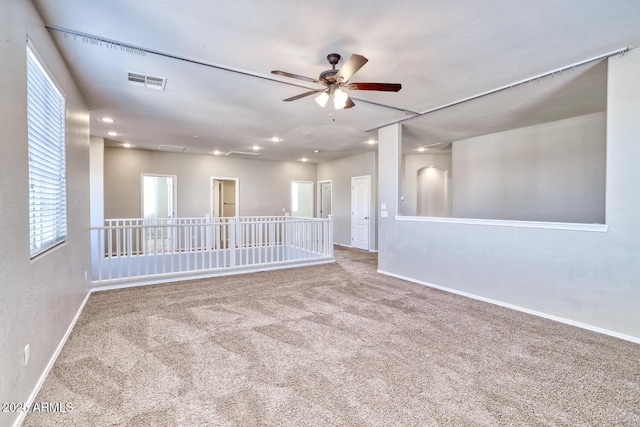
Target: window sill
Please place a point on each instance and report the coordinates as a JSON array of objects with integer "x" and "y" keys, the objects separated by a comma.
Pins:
[{"x": 601, "y": 228}]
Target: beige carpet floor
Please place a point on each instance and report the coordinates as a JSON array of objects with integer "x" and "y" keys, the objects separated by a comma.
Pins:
[{"x": 331, "y": 345}]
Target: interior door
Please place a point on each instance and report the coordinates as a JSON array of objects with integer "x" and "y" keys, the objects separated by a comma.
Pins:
[
  {"x": 360, "y": 211},
  {"x": 325, "y": 199},
  {"x": 216, "y": 198}
]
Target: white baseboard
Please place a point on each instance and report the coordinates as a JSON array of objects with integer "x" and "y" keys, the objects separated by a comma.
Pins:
[
  {"x": 518, "y": 308},
  {"x": 343, "y": 245},
  {"x": 52, "y": 361},
  {"x": 353, "y": 247}
]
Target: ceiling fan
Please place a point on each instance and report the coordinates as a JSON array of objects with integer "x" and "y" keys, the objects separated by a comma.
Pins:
[{"x": 335, "y": 80}]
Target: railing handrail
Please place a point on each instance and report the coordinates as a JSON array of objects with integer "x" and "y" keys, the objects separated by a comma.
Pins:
[{"x": 178, "y": 222}]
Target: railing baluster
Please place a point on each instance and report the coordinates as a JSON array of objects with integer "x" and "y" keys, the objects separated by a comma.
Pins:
[
  {"x": 253, "y": 242},
  {"x": 100, "y": 253},
  {"x": 206, "y": 244}
]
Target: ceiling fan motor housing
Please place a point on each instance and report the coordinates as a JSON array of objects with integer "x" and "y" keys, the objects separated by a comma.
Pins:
[{"x": 328, "y": 76}]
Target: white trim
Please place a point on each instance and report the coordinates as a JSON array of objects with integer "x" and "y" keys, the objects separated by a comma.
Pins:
[
  {"x": 52, "y": 361},
  {"x": 518, "y": 308},
  {"x": 601, "y": 228}
]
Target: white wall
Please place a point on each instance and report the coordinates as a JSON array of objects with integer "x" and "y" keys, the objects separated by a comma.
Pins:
[
  {"x": 264, "y": 186},
  {"x": 549, "y": 172},
  {"x": 340, "y": 173},
  {"x": 40, "y": 297},
  {"x": 585, "y": 277}
]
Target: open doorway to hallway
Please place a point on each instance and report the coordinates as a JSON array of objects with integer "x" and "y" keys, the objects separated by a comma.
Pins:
[{"x": 224, "y": 197}]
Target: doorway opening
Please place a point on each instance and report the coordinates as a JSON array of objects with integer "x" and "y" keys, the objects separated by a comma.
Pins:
[
  {"x": 432, "y": 192},
  {"x": 302, "y": 198},
  {"x": 159, "y": 203},
  {"x": 224, "y": 197},
  {"x": 159, "y": 196}
]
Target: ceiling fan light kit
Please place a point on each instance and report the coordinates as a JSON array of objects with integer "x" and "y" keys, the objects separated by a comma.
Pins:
[
  {"x": 322, "y": 99},
  {"x": 336, "y": 80}
]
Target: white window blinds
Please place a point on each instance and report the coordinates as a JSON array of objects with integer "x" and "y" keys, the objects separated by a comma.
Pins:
[{"x": 46, "y": 140}]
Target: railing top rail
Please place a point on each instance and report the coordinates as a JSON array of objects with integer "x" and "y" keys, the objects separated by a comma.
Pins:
[
  {"x": 203, "y": 218},
  {"x": 123, "y": 223}
]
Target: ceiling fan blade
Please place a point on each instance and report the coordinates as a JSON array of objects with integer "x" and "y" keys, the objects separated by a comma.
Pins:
[
  {"x": 387, "y": 87},
  {"x": 295, "y": 76},
  {"x": 302, "y": 95},
  {"x": 353, "y": 64},
  {"x": 349, "y": 104}
]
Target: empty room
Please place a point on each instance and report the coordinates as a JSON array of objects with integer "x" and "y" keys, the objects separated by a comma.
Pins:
[{"x": 362, "y": 213}]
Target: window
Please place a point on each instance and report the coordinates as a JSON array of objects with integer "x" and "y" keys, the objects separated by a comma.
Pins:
[{"x": 46, "y": 141}]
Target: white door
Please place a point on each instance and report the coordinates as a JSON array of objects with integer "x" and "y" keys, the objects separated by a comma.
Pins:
[
  {"x": 360, "y": 211},
  {"x": 324, "y": 190},
  {"x": 216, "y": 198}
]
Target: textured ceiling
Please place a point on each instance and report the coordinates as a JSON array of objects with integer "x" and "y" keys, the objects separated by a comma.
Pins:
[{"x": 441, "y": 52}]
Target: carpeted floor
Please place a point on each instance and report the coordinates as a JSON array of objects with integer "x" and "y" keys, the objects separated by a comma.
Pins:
[{"x": 331, "y": 345}]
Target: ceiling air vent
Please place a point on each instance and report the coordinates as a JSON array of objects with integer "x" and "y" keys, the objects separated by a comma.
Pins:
[
  {"x": 241, "y": 154},
  {"x": 150, "y": 82},
  {"x": 174, "y": 148}
]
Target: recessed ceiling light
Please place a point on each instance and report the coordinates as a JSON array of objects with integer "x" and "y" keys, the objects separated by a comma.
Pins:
[
  {"x": 112, "y": 133},
  {"x": 275, "y": 139},
  {"x": 107, "y": 120},
  {"x": 316, "y": 151},
  {"x": 304, "y": 159},
  {"x": 216, "y": 153},
  {"x": 196, "y": 136},
  {"x": 255, "y": 147},
  {"x": 421, "y": 149},
  {"x": 127, "y": 145},
  {"x": 371, "y": 141}
]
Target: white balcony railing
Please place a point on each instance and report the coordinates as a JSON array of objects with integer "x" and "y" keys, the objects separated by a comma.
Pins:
[{"x": 140, "y": 250}]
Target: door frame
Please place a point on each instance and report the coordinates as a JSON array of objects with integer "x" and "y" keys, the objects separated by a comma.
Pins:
[
  {"x": 319, "y": 197},
  {"x": 175, "y": 191},
  {"x": 221, "y": 178},
  {"x": 368, "y": 207}
]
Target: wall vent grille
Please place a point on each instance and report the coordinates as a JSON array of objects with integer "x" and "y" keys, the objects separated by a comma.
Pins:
[
  {"x": 241, "y": 154},
  {"x": 174, "y": 148}
]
